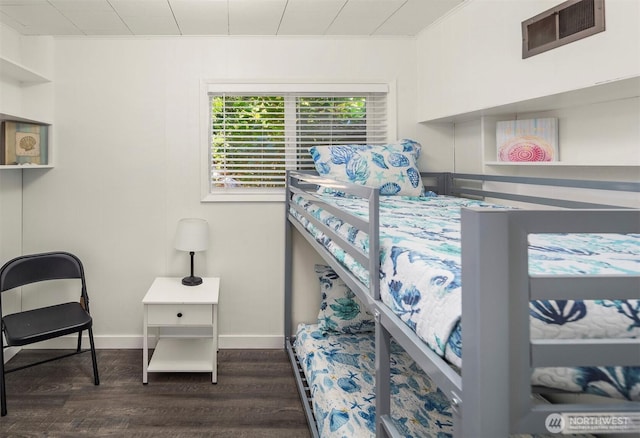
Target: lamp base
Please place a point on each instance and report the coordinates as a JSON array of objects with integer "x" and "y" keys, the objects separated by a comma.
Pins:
[{"x": 191, "y": 281}]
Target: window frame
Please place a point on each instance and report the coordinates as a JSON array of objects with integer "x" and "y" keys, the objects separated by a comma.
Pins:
[{"x": 216, "y": 86}]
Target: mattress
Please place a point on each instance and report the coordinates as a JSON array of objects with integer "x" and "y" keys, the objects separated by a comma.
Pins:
[
  {"x": 340, "y": 371},
  {"x": 421, "y": 281}
]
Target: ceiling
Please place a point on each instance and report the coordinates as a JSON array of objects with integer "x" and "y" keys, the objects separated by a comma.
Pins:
[{"x": 222, "y": 17}]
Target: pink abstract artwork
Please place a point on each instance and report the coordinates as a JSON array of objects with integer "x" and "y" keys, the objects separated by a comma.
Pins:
[{"x": 527, "y": 140}]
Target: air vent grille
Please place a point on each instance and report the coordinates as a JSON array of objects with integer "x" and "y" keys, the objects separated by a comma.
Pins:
[
  {"x": 542, "y": 32},
  {"x": 565, "y": 23},
  {"x": 576, "y": 18}
]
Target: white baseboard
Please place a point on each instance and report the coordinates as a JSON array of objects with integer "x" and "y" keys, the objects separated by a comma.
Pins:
[
  {"x": 9, "y": 352},
  {"x": 135, "y": 342},
  {"x": 102, "y": 342},
  {"x": 271, "y": 342}
]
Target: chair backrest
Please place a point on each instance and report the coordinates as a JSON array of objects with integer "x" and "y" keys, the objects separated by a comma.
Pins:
[{"x": 33, "y": 268}]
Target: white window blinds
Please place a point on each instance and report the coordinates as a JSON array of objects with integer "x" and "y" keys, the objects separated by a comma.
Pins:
[{"x": 256, "y": 137}]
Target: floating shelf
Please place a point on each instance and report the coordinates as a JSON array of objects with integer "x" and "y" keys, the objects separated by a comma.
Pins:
[
  {"x": 622, "y": 88},
  {"x": 15, "y": 71},
  {"x": 25, "y": 166},
  {"x": 49, "y": 165},
  {"x": 14, "y": 118},
  {"x": 559, "y": 164}
]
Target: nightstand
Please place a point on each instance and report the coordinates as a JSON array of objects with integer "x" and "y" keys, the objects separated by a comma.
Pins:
[{"x": 168, "y": 303}]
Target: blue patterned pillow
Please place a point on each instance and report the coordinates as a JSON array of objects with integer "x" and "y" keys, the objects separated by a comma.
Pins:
[
  {"x": 408, "y": 145},
  {"x": 392, "y": 168},
  {"x": 340, "y": 310}
]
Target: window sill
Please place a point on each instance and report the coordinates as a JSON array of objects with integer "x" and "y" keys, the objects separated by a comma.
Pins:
[{"x": 239, "y": 196}]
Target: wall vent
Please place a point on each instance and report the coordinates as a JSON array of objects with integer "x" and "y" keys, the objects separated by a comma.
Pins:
[{"x": 563, "y": 24}]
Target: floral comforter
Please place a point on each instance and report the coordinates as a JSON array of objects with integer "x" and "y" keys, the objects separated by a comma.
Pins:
[
  {"x": 340, "y": 371},
  {"x": 421, "y": 282}
]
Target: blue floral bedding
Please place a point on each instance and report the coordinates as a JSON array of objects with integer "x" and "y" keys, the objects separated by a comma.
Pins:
[
  {"x": 421, "y": 282},
  {"x": 340, "y": 371}
]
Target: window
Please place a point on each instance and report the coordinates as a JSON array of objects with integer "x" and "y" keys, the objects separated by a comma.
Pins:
[{"x": 256, "y": 136}]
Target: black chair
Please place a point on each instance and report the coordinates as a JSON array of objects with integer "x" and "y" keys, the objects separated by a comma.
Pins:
[{"x": 49, "y": 322}]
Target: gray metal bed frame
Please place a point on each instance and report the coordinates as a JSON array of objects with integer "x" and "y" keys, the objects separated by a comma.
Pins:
[{"x": 498, "y": 351}]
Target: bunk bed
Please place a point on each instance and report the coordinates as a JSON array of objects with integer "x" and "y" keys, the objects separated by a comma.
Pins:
[{"x": 498, "y": 397}]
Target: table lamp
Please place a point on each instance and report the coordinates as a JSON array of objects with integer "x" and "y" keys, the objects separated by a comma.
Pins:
[{"x": 192, "y": 235}]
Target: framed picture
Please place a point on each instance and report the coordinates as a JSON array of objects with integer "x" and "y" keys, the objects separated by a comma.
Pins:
[
  {"x": 527, "y": 140},
  {"x": 23, "y": 143}
]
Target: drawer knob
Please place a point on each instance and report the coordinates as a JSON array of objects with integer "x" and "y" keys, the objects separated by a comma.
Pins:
[{"x": 179, "y": 315}]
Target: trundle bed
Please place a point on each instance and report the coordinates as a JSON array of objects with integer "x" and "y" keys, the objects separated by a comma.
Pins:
[{"x": 551, "y": 302}]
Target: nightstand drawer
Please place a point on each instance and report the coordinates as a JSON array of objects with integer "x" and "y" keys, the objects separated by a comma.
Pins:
[{"x": 179, "y": 314}]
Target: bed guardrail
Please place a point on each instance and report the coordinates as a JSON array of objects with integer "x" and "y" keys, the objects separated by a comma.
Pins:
[
  {"x": 473, "y": 186},
  {"x": 495, "y": 314},
  {"x": 493, "y": 396},
  {"x": 306, "y": 184},
  {"x": 303, "y": 389}
]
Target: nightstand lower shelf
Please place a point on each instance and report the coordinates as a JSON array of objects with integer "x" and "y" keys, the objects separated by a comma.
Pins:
[{"x": 189, "y": 355}]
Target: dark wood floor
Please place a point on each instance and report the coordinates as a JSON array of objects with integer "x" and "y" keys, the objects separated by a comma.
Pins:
[{"x": 255, "y": 396}]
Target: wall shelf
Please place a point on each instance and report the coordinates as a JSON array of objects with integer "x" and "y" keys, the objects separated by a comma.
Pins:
[
  {"x": 603, "y": 114},
  {"x": 25, "y": 166},
  {"x": 558, "y": 164},
  {"x": 621, "y": 88},
  {"x": 45, "y": 154},
  {"x": 13, "y": 70},
  {"x": 14, "y": 118}
]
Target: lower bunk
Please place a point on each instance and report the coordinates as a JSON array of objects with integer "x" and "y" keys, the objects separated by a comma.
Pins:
[
  {"x": 340, "y": 371},
  {"x": 338, "y": 377}
]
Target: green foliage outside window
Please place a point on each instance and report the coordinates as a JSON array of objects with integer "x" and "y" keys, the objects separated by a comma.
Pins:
[
  {"x": 244, "y": 130},
  {"x": 249, "y": 135}
]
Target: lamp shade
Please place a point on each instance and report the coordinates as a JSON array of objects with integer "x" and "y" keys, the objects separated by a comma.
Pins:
[{"x": 192, "y": 235}]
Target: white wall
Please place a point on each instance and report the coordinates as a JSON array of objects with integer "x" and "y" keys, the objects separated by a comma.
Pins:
[
  {"x": 472, "y": 58},
  {"x": 127, "y": 137},
  {"x": 10, "y": 92}
]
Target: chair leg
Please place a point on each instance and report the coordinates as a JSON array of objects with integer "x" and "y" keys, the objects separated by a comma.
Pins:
[
  {"x": 79, "y": 342},
  {"x": 3, "y": 393},
  {"x": 96, "y": 378}
]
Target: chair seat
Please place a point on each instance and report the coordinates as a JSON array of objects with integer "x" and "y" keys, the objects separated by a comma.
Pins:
[{"x": 45, "y": 323}]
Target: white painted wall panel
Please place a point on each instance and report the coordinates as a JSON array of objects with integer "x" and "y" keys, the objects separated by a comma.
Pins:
[
  {"x": 10, "y": 229},
  {"x": 468, "y": 147},
  {"x": 9, "y": 43},
  {"x": 127, "y": 123},
  {"x": 472, "y": 58}
]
